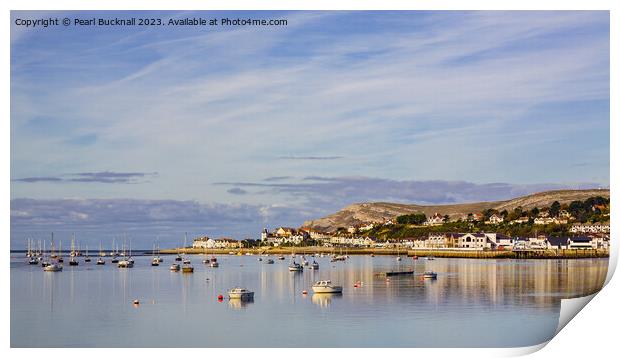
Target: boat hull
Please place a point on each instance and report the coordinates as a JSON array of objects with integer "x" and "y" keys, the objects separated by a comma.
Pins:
[
  {"x": 327, "y": 289},
  {"x": 241, "y": 296}
]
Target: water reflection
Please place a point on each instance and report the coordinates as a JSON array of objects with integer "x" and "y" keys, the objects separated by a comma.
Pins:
[
  {"x": 239, "y": 303},
  {"x": 92, "y": 305},
  {"x": 323, "y": 300}
]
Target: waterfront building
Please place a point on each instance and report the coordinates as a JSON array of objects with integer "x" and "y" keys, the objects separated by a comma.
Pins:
[{"x": 590, "y": 228}]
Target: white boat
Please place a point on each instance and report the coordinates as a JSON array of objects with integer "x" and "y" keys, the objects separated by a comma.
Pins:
[
  {"x": 206, "y": 261},
  {"x": 430, "y": 274},
  {"x": 214, "y": 264},
  {"x": 175, "y": 267},
  {"x": 186, "y": 262},
  {"x": 280, "y": 257},
  {"x": 239, "y": 293},
  {"x": 326, "y": 286},
  {"x": 398, "y": 258},
  {"x": 338, "y": 258},
  {"x": 100, "y": 261},
  {"x": 294, "y": 266},
  {"x": 314, "y": 266},
  {"x": 33, "y": 260},
  {"x": 55, "y": 267},
  {"x": 125, "y": 263}
]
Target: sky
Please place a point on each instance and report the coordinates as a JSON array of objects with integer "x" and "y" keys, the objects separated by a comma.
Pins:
[{"x": 151, "y": 132}]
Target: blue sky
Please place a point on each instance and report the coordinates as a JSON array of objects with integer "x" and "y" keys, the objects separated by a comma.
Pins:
[{"x": 222, "y": 131}]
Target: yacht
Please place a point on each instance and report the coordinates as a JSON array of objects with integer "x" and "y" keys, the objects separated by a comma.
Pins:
[
  {"x": 314, "y": 266},
  {"x": 155, "y": 261},
  {"x": 326, "y": 286},
  {"x": 73, "y": 261},
  {"x": 239, "y": 293},
  {"x": 33, "y": 260},
  {"x": 55, "y": 267},
  {"x": 294, "y": 266},
  {"x": 100, "y": 261},
  {"x": 175, "y": 267},
  {"x": 214, "y": 264},
  {"x": 270, "y": 261},
  {"x": 125, "y": 263}
]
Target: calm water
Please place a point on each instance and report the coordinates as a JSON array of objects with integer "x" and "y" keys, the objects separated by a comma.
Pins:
[{"x": 473, "y": 303}]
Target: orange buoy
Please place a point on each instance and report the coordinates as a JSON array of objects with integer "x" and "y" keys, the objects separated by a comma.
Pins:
[{"x": 136, "y": 302}]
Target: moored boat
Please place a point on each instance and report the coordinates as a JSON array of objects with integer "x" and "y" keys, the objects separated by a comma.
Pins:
[
  {"x": 214, "y": 264},
  {"x": 175, "y": 267},
  {"x": 270, "y": 261},
  {"x": 100, "y": 261},
  {"x": 314, "y": 266},
  {"x": 53, "y": 267},
  {"x": 326, "y": 286},
  {"x": 240, "y": 293},
  {"x": 187, "y": 268},
  {"x": 430, "y": 274},
  {"x": 294, "y": 266}
]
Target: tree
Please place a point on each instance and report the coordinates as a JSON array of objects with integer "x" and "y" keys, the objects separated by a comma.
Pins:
[
  {"x": 446, "y": 218},
  {"x": 534, "y": 211},
  {"x": 554, "y": 210}
]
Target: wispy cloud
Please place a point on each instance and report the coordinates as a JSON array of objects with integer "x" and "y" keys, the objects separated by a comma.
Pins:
[
  {"x": 294, "y": 157},
  {"x": 237, "y": 191},
  {"x": 106, "y": 177}
]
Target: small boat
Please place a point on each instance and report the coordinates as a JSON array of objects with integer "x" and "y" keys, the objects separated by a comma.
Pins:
[
  {"x": 33, "y": 261},
  {"x": 45, "y": 263},
  {"x": 372, "y": 255},
  {"x": 239, "y": 293},
  {"x": 175, "y": 267},
  {"x": 314, "y": 266},
  {"x": 280, "y": 257},
  {"x": 55, "y": 267},
  {"x": 338, "y": 258},
  {"x": 270, "y": 261},
  {"x": 430, "y": 274},
  {"x": 398, "y": 258},
  {"x": 73, "y": 262},
  {"x": 206, "y": 261},
  {"x": 86, "y": 258},
  {"x": 114, "y": 260},
  {"x": 304, "y": 261},
  {"x": 60, "y": 259},
  {"x": 131, "y": 260},
  {"x": 414, "y": 257},
  {"x": 187, "y": 268},
  {"x": 125, "y": 264},
  {"x": 213, "y": 259},
  {"x": 326, "y": 286},
  {"x": 214, "y": 264},
  {"x": 100, "y": 261},
  {"x": 154, "y": 262},
  {"x": 186, "y": 262},
  {"x": 294, "y": 266},
  {"x": 260, "y": 259},
  {"x": 430, "y": 258},
  {"x": 178, "y": 258}
]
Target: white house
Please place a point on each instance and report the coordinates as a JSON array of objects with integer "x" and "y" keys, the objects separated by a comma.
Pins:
[
  {"x": 435, "y": 219},
  {"x": 495, "y": 219},
  {"x": 581, "y": 242}
]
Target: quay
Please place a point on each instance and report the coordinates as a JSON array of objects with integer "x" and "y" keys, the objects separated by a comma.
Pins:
[{"x": 447, "y": 253}]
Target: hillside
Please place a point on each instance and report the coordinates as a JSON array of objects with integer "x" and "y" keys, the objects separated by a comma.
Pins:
[{"x": 373, "y": 212}]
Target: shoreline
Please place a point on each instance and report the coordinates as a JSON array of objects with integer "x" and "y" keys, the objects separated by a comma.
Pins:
[{"x": 445, "y": 253}]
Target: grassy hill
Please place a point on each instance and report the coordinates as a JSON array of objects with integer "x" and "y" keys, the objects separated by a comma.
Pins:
[{"x": 374, "y": 212}]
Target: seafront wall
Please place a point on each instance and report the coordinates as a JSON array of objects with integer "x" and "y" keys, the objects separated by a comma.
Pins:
[{"x": 474, "y": 254}]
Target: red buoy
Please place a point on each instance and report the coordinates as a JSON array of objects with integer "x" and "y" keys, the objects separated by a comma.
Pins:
[
  {"x": 220, "y": 297},
  {"x": 136, "y": 302}
]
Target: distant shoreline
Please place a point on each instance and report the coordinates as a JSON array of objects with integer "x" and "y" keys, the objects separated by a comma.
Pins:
[{"x": 531, "y": 254}]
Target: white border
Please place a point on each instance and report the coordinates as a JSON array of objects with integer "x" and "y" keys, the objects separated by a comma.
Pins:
[{"x": 594, "y": 332}]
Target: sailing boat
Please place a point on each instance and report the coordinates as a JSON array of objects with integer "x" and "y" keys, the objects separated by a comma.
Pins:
[
  {"x": 33, "y": 260},
  {"x": 87, "y": 258},
  {"x": 60, "y": 259},
  {"x": 125, "y": 263},
  {"x": 398, "y": 258},
  {"x": 44, "y": 262},
  {"x": 100, "y": 260},
  {"x": 114, "y": 252},
  {"x": 187, "y": 267},
  {"x": 73, "y": 261},
  {"x": 155, "y": 260}
]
